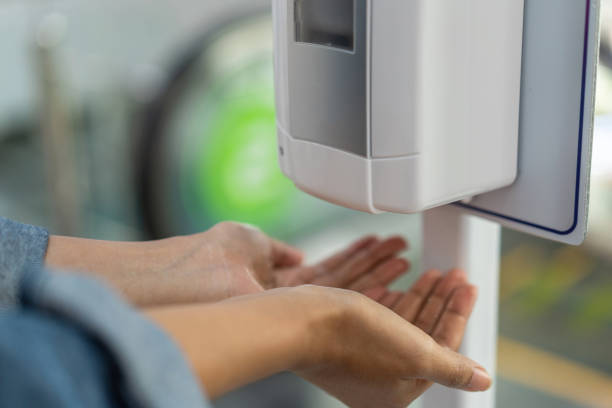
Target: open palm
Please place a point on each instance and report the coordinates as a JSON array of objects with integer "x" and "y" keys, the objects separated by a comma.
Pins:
[
  {"x": 361, "y": 373},
  {"x": 367, "y": 266}
]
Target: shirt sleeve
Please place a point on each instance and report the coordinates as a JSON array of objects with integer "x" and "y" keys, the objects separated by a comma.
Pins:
[
  {"x": 21, "y": 247},
  {"x": 153, "y": 372},
  {"x": 48, "y": 362}
]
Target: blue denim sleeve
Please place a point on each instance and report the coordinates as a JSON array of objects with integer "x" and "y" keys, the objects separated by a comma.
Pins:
[
  {"x": 84, "y": 344},
  {"x": 48, "y": 362},
  {"x": 21, "y": 246}
]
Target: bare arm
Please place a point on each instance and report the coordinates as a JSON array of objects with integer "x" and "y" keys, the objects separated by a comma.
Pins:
[
  {"x": 227, "y": 260},
  {"x": 142, "y": 271},
  {"x": 235, "y": 342},
  {"x": 354, "y": 348}
]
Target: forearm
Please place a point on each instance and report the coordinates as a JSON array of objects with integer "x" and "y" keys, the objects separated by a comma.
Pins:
[
  {"x": 141, "y": 271},
  {"x": 232, "y": 343},
  {"x": 105, "y": 258}
]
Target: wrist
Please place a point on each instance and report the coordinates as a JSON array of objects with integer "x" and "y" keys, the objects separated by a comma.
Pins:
[
  {"x": 328, "y": 312},
  {"x": 122, "y": 265},
  {"x": 266, "y": 333},
  {"x": 98, "y": 257}
]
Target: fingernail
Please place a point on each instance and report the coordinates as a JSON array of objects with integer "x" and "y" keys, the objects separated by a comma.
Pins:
[{"x": 481, "y": 381}]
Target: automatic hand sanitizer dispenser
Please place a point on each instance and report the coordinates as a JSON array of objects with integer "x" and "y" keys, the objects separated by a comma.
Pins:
[{"x": 398, "y": 105}]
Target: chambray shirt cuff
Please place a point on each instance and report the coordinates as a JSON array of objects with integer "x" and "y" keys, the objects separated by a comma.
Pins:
[
  {"x": 21, "y": 247},
  {"x": 154, "y": 372}
]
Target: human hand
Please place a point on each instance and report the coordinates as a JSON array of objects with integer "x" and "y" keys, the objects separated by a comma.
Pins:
[
  {"x": 370, "y": 356},
  {"x": 368, "y": 266},
  {"x": 356, "y": 349},
  {"x": 245, "y": 260},
  {"x": 228, "y": 260}
]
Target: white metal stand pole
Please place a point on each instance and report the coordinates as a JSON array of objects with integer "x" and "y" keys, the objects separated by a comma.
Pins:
[{"x": 453, "y": 239}]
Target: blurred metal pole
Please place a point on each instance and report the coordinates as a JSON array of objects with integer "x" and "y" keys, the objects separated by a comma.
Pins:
[
  {"x": 452, "y": 240},
  {"x": 55, "y": 127}
]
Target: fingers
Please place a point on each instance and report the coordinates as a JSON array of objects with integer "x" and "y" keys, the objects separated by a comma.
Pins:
[
  {"x": 435, "y": 303},
  {"x": 451, "y": 369},
  {"x": 285, "y": 256},
  {"x": 411, "y": 303},
  {"x": 376, "y": 294},
  {"x": 362, "y": 262},
  {"x": 444, "y": 365},
  {"x": 384, "y": 296},
  {"x": 450, "y": 329},
  {"x": 341, "y": 257},
  {"x": 383, "y": 275},
  {"x": 293, "y": 276},
  {"x": 390, "y": 299}
]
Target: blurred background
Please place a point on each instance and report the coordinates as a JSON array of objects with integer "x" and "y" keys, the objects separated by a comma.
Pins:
[{"x": 141, "y": 119}]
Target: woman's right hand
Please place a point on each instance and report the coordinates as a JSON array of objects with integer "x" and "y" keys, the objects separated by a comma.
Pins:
[
  {"x": 369, "y": 356},
  {"x": 363, "y": 353}
]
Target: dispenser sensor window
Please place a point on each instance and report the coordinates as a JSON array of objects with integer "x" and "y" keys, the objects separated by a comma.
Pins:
[{"x": 325, "y": 22}]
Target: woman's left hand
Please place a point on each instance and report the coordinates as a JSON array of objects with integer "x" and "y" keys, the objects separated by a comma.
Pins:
[
  {"x": 246, "y": 261},
  {"x": 228, "y": 260}
]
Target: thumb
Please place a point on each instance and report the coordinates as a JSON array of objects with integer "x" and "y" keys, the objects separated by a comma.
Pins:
[{"x": 456, "y": 371}]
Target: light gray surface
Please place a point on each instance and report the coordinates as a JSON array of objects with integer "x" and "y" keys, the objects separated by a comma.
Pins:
[
  {"x": 454, "y": 240},
  {"x": 552, "y": 141},
  {"x": 327, "y": 90}
]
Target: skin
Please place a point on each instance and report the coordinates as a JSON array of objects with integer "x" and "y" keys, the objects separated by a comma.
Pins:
[
  {"x": 354, "y": 348},
  {"x": 228, "y": 260},
  {"x": 242, "y": 306}
]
